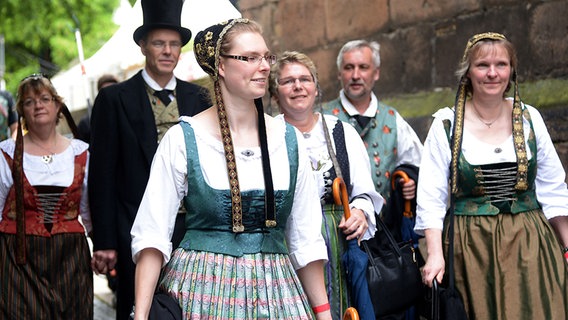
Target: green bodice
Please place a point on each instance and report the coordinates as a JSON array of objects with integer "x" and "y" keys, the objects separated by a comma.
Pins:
[
  {"x": 209, "y": 218},
  {"x": 473, "y": 192}
]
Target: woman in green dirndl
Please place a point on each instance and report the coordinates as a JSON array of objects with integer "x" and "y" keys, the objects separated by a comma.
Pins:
[
  {"x": 511, "y": 201},
  {"x": 252, "y": 247}
]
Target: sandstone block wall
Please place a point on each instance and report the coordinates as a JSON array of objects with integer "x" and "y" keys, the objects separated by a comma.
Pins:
[{"x": 421, "y": 40}]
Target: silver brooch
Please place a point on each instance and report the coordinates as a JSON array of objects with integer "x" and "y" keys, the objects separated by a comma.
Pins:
[{"x": 247, "y": 153}]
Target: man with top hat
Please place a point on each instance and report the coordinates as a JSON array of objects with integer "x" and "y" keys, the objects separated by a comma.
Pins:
[{"x": 127, "y": 122}]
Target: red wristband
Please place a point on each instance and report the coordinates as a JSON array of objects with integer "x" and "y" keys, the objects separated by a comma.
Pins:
[{"x": 321, "y": 308}]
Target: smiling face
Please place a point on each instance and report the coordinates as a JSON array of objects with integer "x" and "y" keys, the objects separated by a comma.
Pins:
[
  {"x": 358, "y": 75},
  {"x": 297, "y": 91},
  {"x": 490, "y": 70},
  {"x": 162, "y": 48},
  {"x": 245, "y": 79}
]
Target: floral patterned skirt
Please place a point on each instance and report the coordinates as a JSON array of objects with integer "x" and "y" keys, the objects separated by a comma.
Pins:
[{"x": 216, "y": 286}]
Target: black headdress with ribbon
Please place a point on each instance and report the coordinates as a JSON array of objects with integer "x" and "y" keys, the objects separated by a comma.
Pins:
[{"x": 207, "y": 49}]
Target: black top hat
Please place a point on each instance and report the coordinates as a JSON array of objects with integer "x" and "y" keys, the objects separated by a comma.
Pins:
[{"x": 162, "y": 14}]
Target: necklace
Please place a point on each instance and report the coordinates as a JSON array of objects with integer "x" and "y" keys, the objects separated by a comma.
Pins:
[
  {"x": 47, "y": 158},
  {"x": 489, "y": 123},
  {"x": 308, "y": 134}
]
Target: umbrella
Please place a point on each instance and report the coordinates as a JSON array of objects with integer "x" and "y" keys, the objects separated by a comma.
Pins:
[
  {"x": 354, "y": 261},
  {"x": 406, "y": 222},
  {"x": 351, "y": 314},
  {"x": 399, "y": 216},
  {"x": 399, "y": 173},
  {"x": 407, "y": 219}
]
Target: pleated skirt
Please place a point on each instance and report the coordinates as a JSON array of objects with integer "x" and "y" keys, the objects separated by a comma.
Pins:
[
  {"x": 216, "y": 286},
  {"x": 55, "y": 283},
  {"x": 335, "y": 274},
  {"x": 510, "y": 266}
]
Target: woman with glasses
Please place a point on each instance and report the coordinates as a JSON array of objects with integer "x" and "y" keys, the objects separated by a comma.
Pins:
[
  {"x": 252, "y": 247},
  {"x": 45, "y": 269},
  {"x": 335, "y": 149}
]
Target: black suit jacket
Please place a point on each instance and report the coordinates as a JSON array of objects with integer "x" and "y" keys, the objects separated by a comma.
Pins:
[
  {"x": 122, "y": 145},
  {"x": 123, "y": 141}
]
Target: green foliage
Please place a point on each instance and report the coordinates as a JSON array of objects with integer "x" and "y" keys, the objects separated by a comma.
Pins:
[{"x": 40, "y": 36}]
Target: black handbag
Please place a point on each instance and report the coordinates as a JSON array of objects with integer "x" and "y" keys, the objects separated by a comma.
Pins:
[
  {"x": 443, "y": 303},
  {"x": 446, "y": 303},
  {"x": 164, "y": 307},
  {"x": 393, "y": 274}
]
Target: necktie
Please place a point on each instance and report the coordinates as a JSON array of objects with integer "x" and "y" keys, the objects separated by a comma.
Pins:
[
  {"x": 164, "y": 96},
  {"x": 362, "y": 120}
]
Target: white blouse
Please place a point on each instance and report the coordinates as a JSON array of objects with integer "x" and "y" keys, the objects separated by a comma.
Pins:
[
  {"x": 167, "y": 185},
  {"x": 59, "y": 172},
  {"x": 368, "y": 199},
  {"x": 432, "y": 190}
]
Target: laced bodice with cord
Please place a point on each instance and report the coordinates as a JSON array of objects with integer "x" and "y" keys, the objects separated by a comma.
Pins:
[
  {"x": 489, "y": 189},
  {"x": 48, "y": 210}
]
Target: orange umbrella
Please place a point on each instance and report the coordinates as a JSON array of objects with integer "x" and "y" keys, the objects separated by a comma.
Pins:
[
  {"x": 399, "y": 173},
  {"x": 350, "y": 314}
]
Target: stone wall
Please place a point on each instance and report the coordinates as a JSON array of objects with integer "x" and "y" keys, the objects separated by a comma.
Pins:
[{"x": 421, "y": 40}]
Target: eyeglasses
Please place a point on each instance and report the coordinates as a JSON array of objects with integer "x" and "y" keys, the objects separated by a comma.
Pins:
[
  {"x": 253, "y": 59},
  {"x": 44, "y": 100},
  {"x": 159, "y": 44},
  {"x": 35, "y": 76},
  {"x": 290, "y": 81}
]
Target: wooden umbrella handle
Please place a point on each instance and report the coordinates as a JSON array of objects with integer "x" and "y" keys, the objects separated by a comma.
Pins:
[
  {"x": 401, "y": 174},
  {"x": 340, "y": 196},
  {"x": 351, "y": 314}
]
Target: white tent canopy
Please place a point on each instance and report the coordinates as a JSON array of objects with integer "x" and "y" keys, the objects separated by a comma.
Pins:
[{"x": 122, "y": 57}]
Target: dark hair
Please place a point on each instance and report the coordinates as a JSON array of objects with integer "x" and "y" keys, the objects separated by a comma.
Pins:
[{"x": 106, "y": 79}]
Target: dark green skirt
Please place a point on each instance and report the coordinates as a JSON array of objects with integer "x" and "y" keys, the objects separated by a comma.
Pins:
[
  {"x": 510, "y": 267},
  {"x": 335, "y": 276},
  {"x": 55, "y": 283}
]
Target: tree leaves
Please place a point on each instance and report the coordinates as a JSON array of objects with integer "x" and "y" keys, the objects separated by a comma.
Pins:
[{"x": 39, "y": 36}]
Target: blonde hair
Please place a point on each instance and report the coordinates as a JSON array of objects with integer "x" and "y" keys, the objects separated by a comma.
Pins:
[{"x": 289, "y": 57}]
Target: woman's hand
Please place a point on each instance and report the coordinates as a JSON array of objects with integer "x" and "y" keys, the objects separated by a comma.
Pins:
[
  {"x": 356, "y": 226},
  {"x": 434, "y": 268},
  {"x": 435, "y": 264}
]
